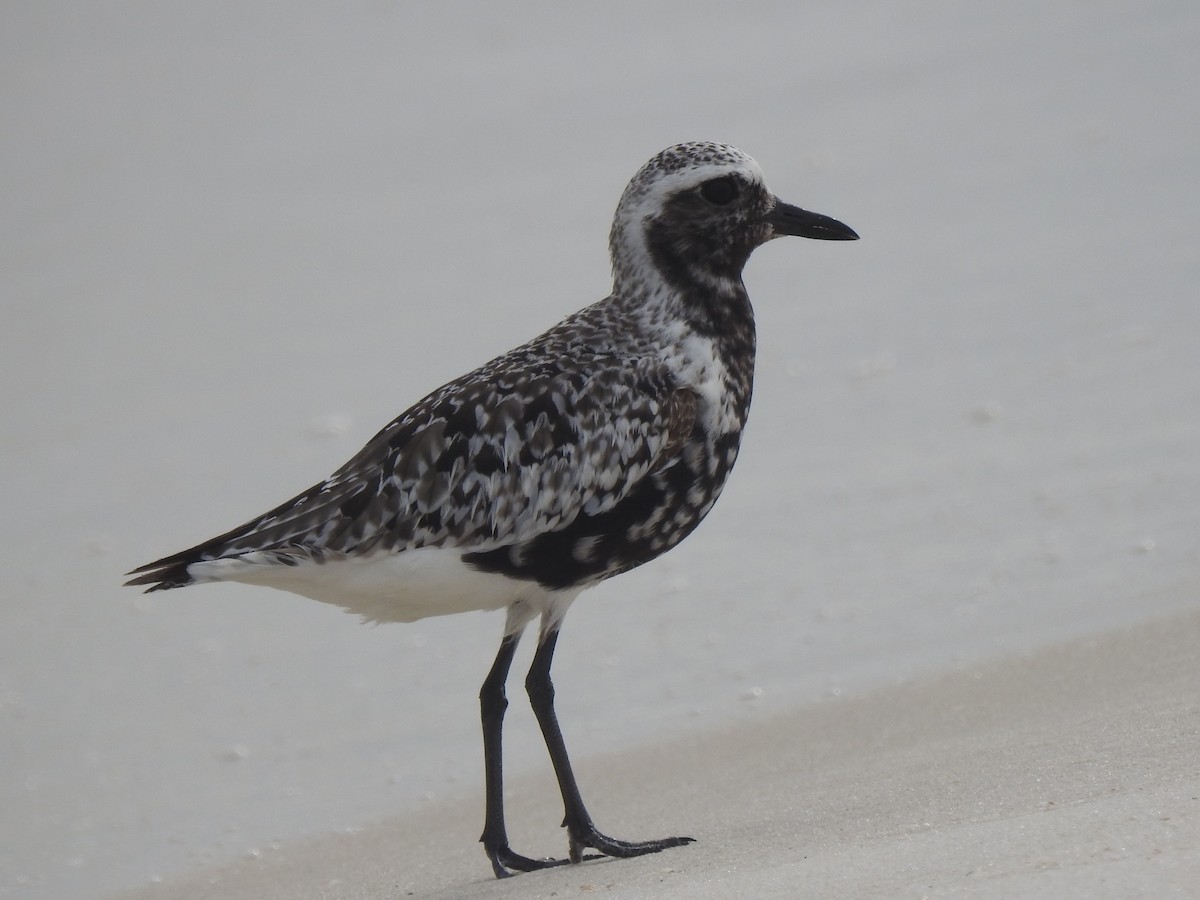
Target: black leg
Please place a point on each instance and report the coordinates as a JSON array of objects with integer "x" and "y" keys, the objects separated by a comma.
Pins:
[
  {"x": 581, "y": 831},
  {"x": 492, "y": 704}
]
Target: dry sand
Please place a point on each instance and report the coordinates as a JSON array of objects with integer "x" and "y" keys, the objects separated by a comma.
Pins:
[{"x": 1072, "y": 772}]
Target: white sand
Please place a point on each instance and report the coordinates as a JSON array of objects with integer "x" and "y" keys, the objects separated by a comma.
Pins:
[
  {"x": 1072, "y": 772},
  {"x": 238, "y": 238}
]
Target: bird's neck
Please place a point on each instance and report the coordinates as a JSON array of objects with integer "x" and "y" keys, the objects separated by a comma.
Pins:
[{"x": 706, "y": 337}]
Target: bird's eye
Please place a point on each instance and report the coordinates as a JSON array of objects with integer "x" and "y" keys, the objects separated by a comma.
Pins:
[{"x": 719, "y": 191}]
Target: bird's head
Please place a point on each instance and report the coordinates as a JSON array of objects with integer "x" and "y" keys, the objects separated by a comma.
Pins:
[{"x": 693, "y": 214}]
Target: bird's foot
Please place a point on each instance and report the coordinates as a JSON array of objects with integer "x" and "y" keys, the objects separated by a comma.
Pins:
[
  {"x": 586, "y": 835},
  {"x": 505, "y": 862}
]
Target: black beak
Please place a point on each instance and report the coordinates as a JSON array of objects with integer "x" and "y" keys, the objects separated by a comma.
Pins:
[{"x": 788, "y": 219}]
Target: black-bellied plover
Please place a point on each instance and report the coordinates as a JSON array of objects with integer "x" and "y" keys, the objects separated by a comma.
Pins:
[{"x": 579, "y": 455}]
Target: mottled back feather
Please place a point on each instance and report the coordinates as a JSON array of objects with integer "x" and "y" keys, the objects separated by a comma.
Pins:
[{"x": 496, "y": 457}]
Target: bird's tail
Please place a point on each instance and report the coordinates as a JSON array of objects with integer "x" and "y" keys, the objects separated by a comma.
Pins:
[{"x": 166, "y": 573}]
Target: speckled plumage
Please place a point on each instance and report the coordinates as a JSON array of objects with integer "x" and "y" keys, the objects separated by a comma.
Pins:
[
  {"x": 587, "y": 451},
  {"x": 581, "y": 454}
]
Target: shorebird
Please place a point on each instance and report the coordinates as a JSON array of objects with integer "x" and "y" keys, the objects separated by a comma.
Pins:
[{"x": 591, "y": 449}]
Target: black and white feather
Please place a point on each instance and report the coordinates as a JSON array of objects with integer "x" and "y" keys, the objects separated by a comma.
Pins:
[{"x": 583, "y": 453}]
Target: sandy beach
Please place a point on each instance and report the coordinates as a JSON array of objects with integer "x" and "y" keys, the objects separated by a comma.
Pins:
[
  {"x": 1071, "y": 772},
  {"x": 939, "y": 635}
]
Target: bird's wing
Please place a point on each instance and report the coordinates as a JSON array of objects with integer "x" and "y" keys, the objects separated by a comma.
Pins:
[{"x": 488, "y": 460}]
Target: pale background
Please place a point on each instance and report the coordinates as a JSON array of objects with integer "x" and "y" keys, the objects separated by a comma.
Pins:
[{"x": 238, "y": 238}]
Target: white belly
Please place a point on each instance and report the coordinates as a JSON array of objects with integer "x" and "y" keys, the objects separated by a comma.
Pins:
[{"x": 390, "y": 587}]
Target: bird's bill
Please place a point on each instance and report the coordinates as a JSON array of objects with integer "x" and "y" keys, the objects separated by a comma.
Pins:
[{"x": 792, "y": 220}]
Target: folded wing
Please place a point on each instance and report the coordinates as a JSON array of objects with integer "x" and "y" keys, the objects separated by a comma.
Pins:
[{"x": 489, "y": 460}]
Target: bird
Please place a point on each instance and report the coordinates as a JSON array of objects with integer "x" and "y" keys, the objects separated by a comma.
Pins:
[{"x": 591, "y": 449}]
